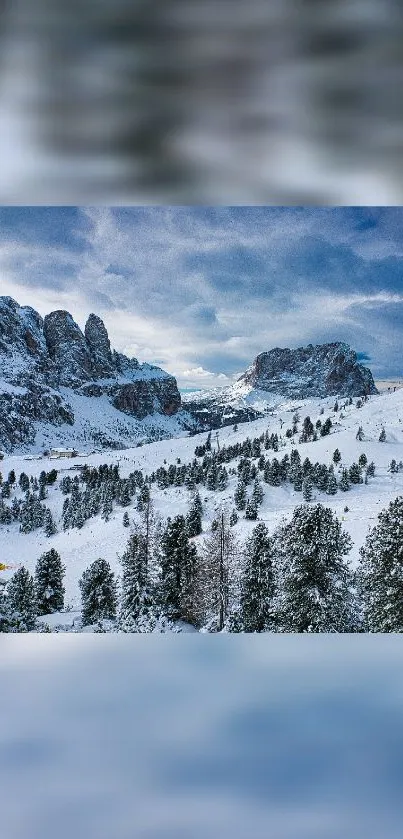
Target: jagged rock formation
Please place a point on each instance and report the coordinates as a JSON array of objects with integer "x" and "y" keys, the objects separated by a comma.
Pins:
[
  {"x": 322, "y": 370},
  {"x": 46, "y": 365},
  {"x": 312, "y": 371},
  {"x": 97, "y": 338}
]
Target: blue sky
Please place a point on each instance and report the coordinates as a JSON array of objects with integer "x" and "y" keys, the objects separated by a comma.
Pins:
[{"x": 201, "y": 290}]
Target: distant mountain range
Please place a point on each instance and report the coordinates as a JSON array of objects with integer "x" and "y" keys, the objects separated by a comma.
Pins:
[{"x": 62, "y": 386}]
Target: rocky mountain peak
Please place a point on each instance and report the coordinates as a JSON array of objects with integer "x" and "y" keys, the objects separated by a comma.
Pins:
[
  {"x": 40, "y": 356},
  {"x": 99, "y": 346},
  {"x": 322, "y": 370},
  {"x": 67, "y": 347}
]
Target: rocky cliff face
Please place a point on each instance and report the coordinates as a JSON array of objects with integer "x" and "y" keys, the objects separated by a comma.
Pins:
[
  {"x": 45, "y": 365},
  {"x": 322, "y": 370}
]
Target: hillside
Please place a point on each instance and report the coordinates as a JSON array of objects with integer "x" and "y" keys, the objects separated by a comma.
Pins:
[{"x": 99, "y": 538}]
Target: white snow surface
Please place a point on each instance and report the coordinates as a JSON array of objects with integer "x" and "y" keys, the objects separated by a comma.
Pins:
[{"x": 79, "y": 548}]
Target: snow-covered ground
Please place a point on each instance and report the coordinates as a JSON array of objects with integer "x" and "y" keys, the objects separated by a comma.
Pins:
[{"x": 79, "y": 548}]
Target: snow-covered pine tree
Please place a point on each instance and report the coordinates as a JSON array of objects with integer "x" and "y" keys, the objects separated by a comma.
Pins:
[
  {"x": 136, "y": 592},
  {"x": 98, "y": 593},
  {"x": 360, "y": 433},
  {"x": 7, "y": 624},
  {"x": 313, "y": 579},
  {"x": 240, "y": 495},
  {"x": 344, "y": 483},
  {"x": 49, "y": 588},
  {"x": 307, "y": 490},
  {"x": 380, "y": 574},
  {"x": 194, "y": 518},
  {"x": 178, "y": 569},
  {"x": 382, "y": 436},
  {"x": 49, "y": 524},
  {"x": 23, "y": 482},
  {"x": 251, "y": 510},
  {"x": 257, "y": 583},
  {"x": 336, "y": 456},
  {"x": 332, "y": 487},
  {"x": 126, "y": 520},
  {"x": 217, "y": 578},
  {"x": 257, "y": 493},
  {"x": 354, "y": 474},
  {"x": 22, "y": 600}
]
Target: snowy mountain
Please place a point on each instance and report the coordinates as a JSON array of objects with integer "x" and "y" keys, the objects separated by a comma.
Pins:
[
  {"x": 280, "y": 375},
  {"x": 60, "y": 386}
]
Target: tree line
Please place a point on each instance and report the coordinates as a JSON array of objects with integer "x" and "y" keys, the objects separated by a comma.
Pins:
[{"x": 296, "y": 579}]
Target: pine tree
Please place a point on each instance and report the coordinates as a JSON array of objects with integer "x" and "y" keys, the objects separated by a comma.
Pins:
[
  {"x": 49, "y": 524},
  {"x": 314, "y": 581},
  {"x": 331, "y": 488},
  {"x": 251, "y": 510},
  {"x": 360, "y": 434},
  {"x": 7, "y": 621},
  {"x": 98, "y": 593},
  {"x": 257, "y": 493},
  {"x": 216, "y": 579},
  {"x": 22, "y": 601},
  {"x": 380, "y": 575},
  {"x": 233, "y": 518},
  {"x": 326, "y": 427},
  {"x": 371, "y": 469},
  {"x": 344, "y": 483},
  {"x": 178, "y": 568},
  {"x": 336, "y": 456},
  {"x": 240, "y": 495},
  {"x": 49, "y": 589},
  {"x": 257, "y": 584},
  {"x": 194, "y": 519},
  {"x": 136, "y": 590},
  {"x": 354, "y": 474},
  {"x": 382, "y": 436},
  {"x": 126, "y": 520},
  {"x": 393, "y": 467},
  {"x": 307, "y": 490},
  {"x": 23, "y": 482}
]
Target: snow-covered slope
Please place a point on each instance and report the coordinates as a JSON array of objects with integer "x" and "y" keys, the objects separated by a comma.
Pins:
[
  {"x": 107, "y": 539},
  {"x": 60, "y": 385}
]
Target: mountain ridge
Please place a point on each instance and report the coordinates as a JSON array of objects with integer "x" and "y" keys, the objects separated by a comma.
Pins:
[{"x": 46, "y": 362}]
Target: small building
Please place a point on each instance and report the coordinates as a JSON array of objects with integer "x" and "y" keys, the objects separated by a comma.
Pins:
[{"x": 63, "y": 453}]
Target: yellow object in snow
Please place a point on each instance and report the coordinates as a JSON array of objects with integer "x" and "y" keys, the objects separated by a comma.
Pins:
[{"x": 5, "y": 567}]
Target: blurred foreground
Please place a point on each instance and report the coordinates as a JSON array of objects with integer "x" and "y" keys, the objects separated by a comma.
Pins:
[
  {"x": 155, "y": 737},
  {"x": 220, "y": 102}
]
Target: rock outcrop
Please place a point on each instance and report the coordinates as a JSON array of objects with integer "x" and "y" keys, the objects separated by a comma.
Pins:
[
  {"x": 68, "y": 349},
  {"x": 46, "y": 364},
  {"x": 321, "y": 370},
  {"x": 102, "y": 362},
  {"x": 312, "y": 371}
]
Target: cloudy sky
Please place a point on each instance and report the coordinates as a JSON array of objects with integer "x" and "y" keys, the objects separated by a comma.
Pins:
[{"x": 201, "y": 290}]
